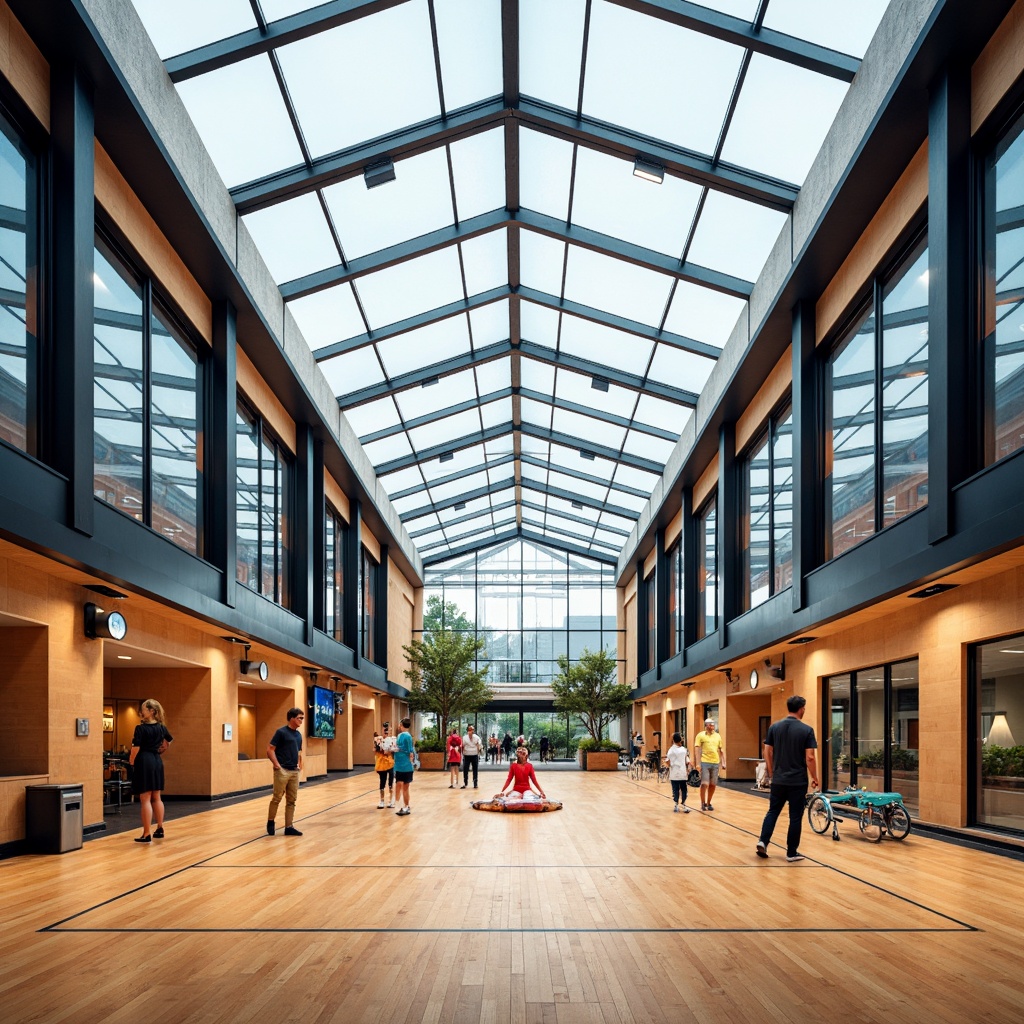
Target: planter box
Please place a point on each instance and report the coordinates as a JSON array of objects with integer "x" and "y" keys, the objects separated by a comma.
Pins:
[
  {"x": 602, "y": 761},
  {"x": 432, "y": 761}
]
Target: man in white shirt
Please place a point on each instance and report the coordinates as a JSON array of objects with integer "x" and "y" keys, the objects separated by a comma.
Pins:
[{"x": 471, "y": 747}]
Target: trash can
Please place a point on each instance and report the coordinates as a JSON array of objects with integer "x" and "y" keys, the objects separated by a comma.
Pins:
[{"x": 53, "y": 818}]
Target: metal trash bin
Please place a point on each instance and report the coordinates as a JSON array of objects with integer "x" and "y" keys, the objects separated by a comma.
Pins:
[{"x": 53, "y": 818}]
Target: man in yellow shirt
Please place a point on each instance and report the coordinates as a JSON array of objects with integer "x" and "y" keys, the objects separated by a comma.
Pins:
[{"x": 711, "y": 751}]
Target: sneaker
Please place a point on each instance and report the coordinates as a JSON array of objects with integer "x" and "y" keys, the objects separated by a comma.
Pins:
[
  {"x": 794, "y": 857},
  {"x": 290, "y": 831},
  {"x": 270, "y": 828},
  {"x": 380, "y": 806},
  {"x": 703, "y": 807},
  {"x": 391, "y": 803},
  {"x": 686, "y": 810},
  {"x": 463, "y": 786},
  {"x": 675, "y": 808},
  {"x": 710, "y": 808},
  {"x": 761, "y": 850}
]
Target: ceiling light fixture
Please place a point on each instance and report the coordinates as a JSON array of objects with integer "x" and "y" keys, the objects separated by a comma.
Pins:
[
  {"x": 429, "y": 382},
  {"x": 803, "y": 640},
  {"x": 446, "y": 457},
  {"x": 379, "y": 173},
  {"x": 589, "y": 456},
  {"x": 599, "y": 384},
  {"x": 935, "y": 588},
  {"x": 649, "y": 170}
]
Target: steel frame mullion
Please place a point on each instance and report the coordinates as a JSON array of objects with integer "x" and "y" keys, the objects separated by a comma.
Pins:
[
  {"x": 494, "y": 487},
  {"x": 583, "y": 499},
  {"x": 490, "y": 509},
  {"x": 431, "y": 417},
  {"x": 408, "y": 492},
  {"x": 554, "y": 467},
  {"x": 437, "y": 450},
  {"x": 598, "y": 414},
  {"x": 600, "y": 450}
]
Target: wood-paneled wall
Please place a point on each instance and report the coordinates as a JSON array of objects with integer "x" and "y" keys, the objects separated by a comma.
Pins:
[{"x": 24, "y": 66}]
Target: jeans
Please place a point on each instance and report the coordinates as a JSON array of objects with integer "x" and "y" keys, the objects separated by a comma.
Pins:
[{"x": 780, "y": 796}]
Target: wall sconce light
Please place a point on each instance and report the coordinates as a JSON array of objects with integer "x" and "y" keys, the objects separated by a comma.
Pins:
[
  {"x": 999, "y": 734},
  {"x": 313, "y": 671},
  {"x": 776, "y": 671},
  {"x": 379, "y": 173},
  {"x": 649, "y": 170},
  {"x": 104, "y": 625},
  {"x": 245, "y": 666},
  {"x": 640, "y": 703},
  {"x": 727, "y": 672},
  {"x": 335, "y": 680}
]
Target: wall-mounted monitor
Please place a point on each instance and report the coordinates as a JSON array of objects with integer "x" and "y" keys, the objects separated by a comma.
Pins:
[{"x": 321, "y": 719}]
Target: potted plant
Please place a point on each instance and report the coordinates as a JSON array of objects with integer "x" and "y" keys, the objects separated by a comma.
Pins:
[
  {"x": 443, "y": 681},
  {"x": 587, "y": 689},
  {"x": 431, "y": 750}
]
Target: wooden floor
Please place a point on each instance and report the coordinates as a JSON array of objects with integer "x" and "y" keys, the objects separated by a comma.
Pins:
[{"x": 613, "y": 909}]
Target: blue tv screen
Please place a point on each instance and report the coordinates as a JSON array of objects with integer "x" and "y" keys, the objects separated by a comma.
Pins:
[{"x": 321, "y": 701}]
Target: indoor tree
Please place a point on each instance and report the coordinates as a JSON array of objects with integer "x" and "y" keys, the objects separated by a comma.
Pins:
[
  {"x": 442, "y": 679},
  {"x": 587, "y": 689}
]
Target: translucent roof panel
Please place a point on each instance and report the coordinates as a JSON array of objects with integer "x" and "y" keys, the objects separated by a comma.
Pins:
[{"x": 515, "y": 277}]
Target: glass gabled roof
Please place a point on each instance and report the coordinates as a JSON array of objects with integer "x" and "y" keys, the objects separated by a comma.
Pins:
[{"x": 517, "y": 326}]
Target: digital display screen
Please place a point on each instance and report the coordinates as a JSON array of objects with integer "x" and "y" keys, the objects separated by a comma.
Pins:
[{"x": 321, "y": 702}]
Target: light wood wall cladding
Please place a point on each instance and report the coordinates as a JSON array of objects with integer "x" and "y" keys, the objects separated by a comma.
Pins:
[
  {"x": 125, "y": 209},
  {"x": 24, "y": 66},
  {"x": 627, "y": 642},
  {"x": 247, "y": 729},
  {"x": 649, "y": 563},
  {"x": 673, "y": 529},
  {"x": 337, "y": 497},
  {"x": 998, "y": 67},
  {"x": 706, "y": 484},
  {"x": 771, "y": 392},
  {"x": 898, "y": 209},
  {"x": 401, "y": 614},
  {"x": 262, "y": 397},
  {"x": 370, "y": 542},
  {"x": 23, "y": 700}
]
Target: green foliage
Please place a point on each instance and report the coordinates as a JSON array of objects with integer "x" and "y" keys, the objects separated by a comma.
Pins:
[
  {"x": 440, "y": 614},
  {"x": 587, "y": 689},
  {"x": 1005, "y": 761},
  {"x": 442, "y": 680},
  {"x": 902, "y": 760},
  {"x": 429, "y": 740}
]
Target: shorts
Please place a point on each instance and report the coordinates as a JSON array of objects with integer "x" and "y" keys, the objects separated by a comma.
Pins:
[
  {"x": 709, "y": 774},
  {"x": 403, "y": 776}
]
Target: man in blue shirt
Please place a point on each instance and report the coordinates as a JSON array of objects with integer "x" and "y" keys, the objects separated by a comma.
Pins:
[{"x": 404, "y": 755}]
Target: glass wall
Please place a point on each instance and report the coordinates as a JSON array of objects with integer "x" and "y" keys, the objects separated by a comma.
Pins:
[
  {"x": 999, "y": 723},
  {"x": 674, "y": 561},
  {"x": 263, "y": 502},
  {"x": 876, "y": 461},
  {"x": 707, "y": 570},
  {"x": 529, "y": 604},
  {"x": 335, "y": 530},
  {"x": 368, "y": 607},
  {"x": 651, "y": 630},
  {"x": 146, "y": 405},
  {"x": 19, "y": 290},
  {"x": 1002, "y": 353},
  {"x": 871, "y": 727}
]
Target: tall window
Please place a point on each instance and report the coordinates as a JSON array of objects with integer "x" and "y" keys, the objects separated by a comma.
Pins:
[
  {"x": 367, "y": 607},
  {"x": 768, "y": 512},
  {"x": 998, "y": 704},
  {"x": 19, "y": 291},
  {"x": 872, "y": 730},
  {"x": 877, "y": 415},
  {"x": 147, "y": 401},
  {"x": 335, "y": 529},
  {"x": 651, "y": 630},
  {"x": 263, "y": 495},
  {"x": 1002, "y": 238},
  {"x": 707, "y": 570},
  {"x": 674, "y": 562}
]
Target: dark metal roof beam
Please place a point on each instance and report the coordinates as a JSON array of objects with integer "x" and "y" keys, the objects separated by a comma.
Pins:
[
  {"x": 576, "y": 519},
  {"x": 576, "y": 474},
  {"x": 407, "y": 492},
  {"x": 603, "y": 451},
  {"x": 465, "y": 549},
  {"x": 430, "y": 417},
  {"x": 495, "y": 487},
  {"x": 583, "y": 499},
  {"x": 490, "y": 509},
  {"x": 435, "y": 451},
  {"x": 740, "y": 32},
  {"x": 278, "y": 33},
  {"x": 598, "y": 414}
]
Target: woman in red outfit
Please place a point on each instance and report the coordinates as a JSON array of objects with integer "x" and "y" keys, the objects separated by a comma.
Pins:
[
  {"x": 523, "y": 779},
  {"x": 454, "y": 756}
]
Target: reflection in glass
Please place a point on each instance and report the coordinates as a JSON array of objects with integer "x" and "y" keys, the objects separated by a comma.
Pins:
[
  {"x": 840, "y": 718},
  {"x": 757, "y": 521},
  {"x": 999, "y": 699},
  {"x": 334, "y": 574},
  {"x": 707, "y": 571},
  {"x": 871, "y": 724},
  {"x": 904, "y": 732}
]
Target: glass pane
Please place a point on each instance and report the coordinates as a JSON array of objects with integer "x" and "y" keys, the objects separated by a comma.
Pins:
[
  {"x": 551, "y": 49},
  {"x": 176, "y": 481},
  {"x": 118, "y": 386},
  {"x": 485, "y": 261},
  {"x": 905, "y": 733},
  {"x": 328, "y": 316},
  {"x": 724, "y": 219},
  {"x": 478, "y": 169},
  {"x": 757, "y": 526},
  {"x": 545, "y": 173},
  {"x": 541, "y": 260},
  {"x": 293, "y": 238},
  {"x": 707, "y": 572},
  {"x": 469, "y": 42},
  {"x": 905, "y": 390},
  {"x": 850, "y": 440},
  {"x": 840, "y": 740},
  {"x": 352, "y": 371},
  {"x": 702, "y": 314},
  {"x": 187, "y": 24},
  {"x": 844, "y": 25},
  {"x": 605, "y": 345},
  {"x": 617, "y": 287},
  {"x": 871, "y": 725},
  {"x": 999, "y": 689},
  {"x": 782, "y": 502},
  {"x": 413, "y": 287},
  {"x": 19, "y": 308},
  {"x": 247, "y": 496}
]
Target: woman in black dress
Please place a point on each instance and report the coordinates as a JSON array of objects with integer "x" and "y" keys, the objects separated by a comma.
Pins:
[{"x": 149, "y": 742}]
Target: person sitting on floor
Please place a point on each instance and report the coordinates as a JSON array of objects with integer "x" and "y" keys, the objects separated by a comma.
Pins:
[{"x": 523, "y": 779}]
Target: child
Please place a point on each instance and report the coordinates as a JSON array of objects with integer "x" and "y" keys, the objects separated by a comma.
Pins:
[{"x": 678, "y": 761}]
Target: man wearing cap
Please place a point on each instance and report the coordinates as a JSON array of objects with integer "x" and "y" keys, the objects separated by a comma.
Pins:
[
  {"x": 789, "y": 756},
  {"x": 711, "y": 751}
]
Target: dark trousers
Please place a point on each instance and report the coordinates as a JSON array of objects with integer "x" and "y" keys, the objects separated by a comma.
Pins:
[
  {"x": 780, "y": 796},
  {"x": 470, "y": 760},
  {"x": 678, "y": 790}
]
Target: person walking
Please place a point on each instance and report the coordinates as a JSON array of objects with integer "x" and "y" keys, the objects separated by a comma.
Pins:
[
  {"x": 678, "y": 761},
  {"x": 150, "y": 740},
  {"x": 493, "y": 748},
  {"x": 711, "y": 750},
  {"x": 454, "y": 756},
  {"x": 545, "y": 746},
  {"x": 405, "y": 754},
  {"x": 789, "y": 757},
  {"x": 285, "y": 753},
  {"x": 636, "y": 746},
  {"x": 384, "y": 764},
  {"x": 471, "y": 747},
  {"x": 506, "y": 747}
]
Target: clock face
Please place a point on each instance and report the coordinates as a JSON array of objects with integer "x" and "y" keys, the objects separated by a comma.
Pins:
[
  {"x": 117, "y": 627},
  {"x": 264, "y": 671},
  {"x": 753, "y": 679}
]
